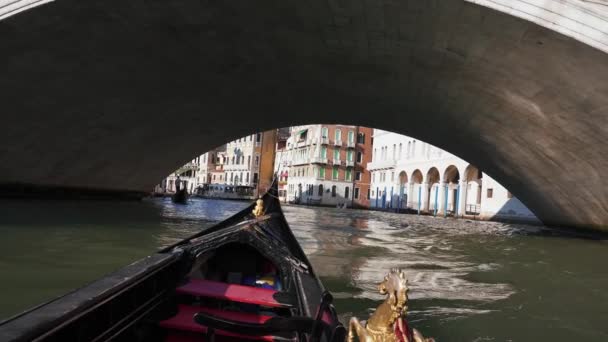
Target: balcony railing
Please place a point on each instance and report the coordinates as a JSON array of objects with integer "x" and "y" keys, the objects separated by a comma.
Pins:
[
  {"x": 381, "y": 164},
  {"x": 350, "y": 144},
  {"x": 336, "y": 161},
  {"x": 350, "y": 163},
  {"x": 318, "y": 160},
  {"x": 337, "y": 142},
  {"x": 324, "y": 140}
]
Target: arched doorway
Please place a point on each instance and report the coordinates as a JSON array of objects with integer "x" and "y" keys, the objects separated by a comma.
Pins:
[
  {"x": 472, "y": 194},
  {"x": 403, "y": 191},
  {"x": 451, "y": 178},
  {"x": 431, "y": 203},
  {"x": 415, "y": 195}
]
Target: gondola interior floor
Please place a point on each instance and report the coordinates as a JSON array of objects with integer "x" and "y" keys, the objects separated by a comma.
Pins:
[{"x": 183, "y": 328}]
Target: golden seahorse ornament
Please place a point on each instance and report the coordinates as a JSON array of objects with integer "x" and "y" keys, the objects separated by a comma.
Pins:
[{"x": 387, "y": 323}]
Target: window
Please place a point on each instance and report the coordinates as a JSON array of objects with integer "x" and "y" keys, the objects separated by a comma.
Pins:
[
  {"x": 322, "y": 173},
  {"x": 358, "y": 176},
  {"x": 394, "y": 151},
  {"x": 356, "y": 193},
  {"x": 232, "y": 159},
  {"x": 373, "y": 194},
  {"x": 248, "y": 160},
  {"x": 335, "y": 172},
  {"x": 368, "y": 197},
  {"x": 258, "y": 137},
  {"x": 336, "y": 154},
  {"x": 349, "y": 155},
  {"x": 324, "y": 133},
  {"x": 375, "y": 155},
  {"x": 359, "y": 157},
  {"x": 338, "y": 135},
  {"x": 351, "y": 136},
  {"x": 257, "y": 160},
  {"x": 361, "y": 138},
  {"x": 373, "y": 177},
  {"x": 247, "y": 177},
  {"x": 393, "y": 176},
  {"x": 346, "y": 192},
  {"x": 255, "y": 178},
  {"x": 348, "y": 176},
  {"x": 320, "y": 193},
  {"x": 323, "y": 152},
  {"x": 333, "y": 191},
  {"x": 490, "y": 193}
]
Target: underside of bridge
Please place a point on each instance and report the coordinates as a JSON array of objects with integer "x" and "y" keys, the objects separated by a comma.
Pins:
[{"x": 113, "y": 94}]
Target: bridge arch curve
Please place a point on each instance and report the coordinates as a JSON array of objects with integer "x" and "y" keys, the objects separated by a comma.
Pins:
[{"x": 98, "y": 94}]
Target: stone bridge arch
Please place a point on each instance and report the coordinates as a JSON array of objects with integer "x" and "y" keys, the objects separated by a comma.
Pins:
[{"x": 99, "y": 94}]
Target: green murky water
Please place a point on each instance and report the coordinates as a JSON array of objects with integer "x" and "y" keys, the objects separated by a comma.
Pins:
[{"x": 469, "y": 281}]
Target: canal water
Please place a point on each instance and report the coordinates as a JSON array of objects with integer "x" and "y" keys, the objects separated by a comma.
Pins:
[{"x": 469, "y": 281}]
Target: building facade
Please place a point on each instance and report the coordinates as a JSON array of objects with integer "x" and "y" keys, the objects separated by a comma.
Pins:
[
  {"x": 242, "y": 162},
  {"x": 411, "y": 175},
  {"x": 282, "y": 162},
  {"x": 247, "y": 162},
  {"x": 322, "y": 165}
]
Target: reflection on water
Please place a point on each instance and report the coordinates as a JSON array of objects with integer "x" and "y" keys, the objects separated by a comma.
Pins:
[{"x": 469, "y": 281}]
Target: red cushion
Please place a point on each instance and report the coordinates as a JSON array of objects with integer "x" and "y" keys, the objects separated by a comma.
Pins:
[
  {"x": 184, "y": 321},
  {"x": 231, "y": 292}
]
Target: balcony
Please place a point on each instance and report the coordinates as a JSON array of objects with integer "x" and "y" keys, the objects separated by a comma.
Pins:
[
  {"x": 381, "y": 164},
  {"x": 337, "y": 142},
  {"x": 324, "y": 140},
  {"x": 318, "y": 160},
  {"x": 350, "y": 163},
  {"x": 350, "y": 144},
  {"x": 336, "y": 161}
]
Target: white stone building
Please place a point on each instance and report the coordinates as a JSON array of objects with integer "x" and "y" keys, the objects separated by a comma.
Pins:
[
  {"x": 411, "y": 175},
  {"x": 242, "y": 162}
]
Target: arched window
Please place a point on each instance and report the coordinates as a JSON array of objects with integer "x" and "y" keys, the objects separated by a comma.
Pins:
[
  {"x": 346, "y": 192},
  {"x": 320, "y": 190},
  {"x": 338, "y": 135},
  {"x": 414, "y": 149},
  {"x": 333, "y": 191},
  {"x": 400, "y": 150},
  {"x": 360, "y": 138},
  {"x": 324, "y": 132},
  {"x": 394, "y": 151}
]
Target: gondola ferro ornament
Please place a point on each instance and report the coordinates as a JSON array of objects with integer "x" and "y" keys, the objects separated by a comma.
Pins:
[{"x": 387, "y": 323}]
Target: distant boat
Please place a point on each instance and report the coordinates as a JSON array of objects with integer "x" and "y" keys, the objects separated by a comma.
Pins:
[
  {"x": 180, "y": 196},
  {"x": 244, "y": 279}
]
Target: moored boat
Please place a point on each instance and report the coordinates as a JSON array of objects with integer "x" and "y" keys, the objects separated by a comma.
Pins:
[{"x": 245, "y": 278}]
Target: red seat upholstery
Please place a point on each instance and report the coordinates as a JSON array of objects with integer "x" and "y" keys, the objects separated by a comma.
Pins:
[
  {"x": 231, "y": 292},
  {"x": 184, "y": 321}
]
